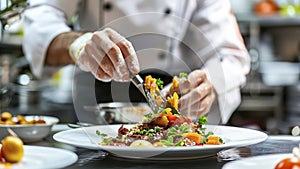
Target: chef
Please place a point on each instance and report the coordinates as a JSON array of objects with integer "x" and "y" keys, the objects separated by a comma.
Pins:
[{"x": 113, "y": 39}]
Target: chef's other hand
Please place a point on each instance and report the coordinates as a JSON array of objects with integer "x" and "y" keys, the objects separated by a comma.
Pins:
[
  {"x": 106, "y": 54},
  {"x": 197, "y": 93}
]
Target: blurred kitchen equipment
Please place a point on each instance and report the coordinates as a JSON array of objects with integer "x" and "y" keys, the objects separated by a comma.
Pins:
[
  {"x": 242, "y": 6},
  {"x": 61, "y": 86},
  {"x": 279, "y": 73},
  {"x": 286, "y": 42},
  {"x": 119, "y": 112},
  {"x": 6, "y": 74},
  {"x": 292, "y": 106},
  {"x": 30, "y": 93},
  {"x": 24, "y": 85},
  {"x": 10, "y": 13}
]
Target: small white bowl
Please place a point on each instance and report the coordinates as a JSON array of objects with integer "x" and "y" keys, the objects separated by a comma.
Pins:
[{"x": 30, "y": 132}]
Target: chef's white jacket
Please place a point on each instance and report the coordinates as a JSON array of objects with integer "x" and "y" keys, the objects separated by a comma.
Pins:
[{"x": 171, "y": 35}]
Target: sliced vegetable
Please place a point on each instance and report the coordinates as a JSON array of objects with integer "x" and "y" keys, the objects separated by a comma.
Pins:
[
  {"x": 162, "y": 121},
  {"x": 213, "y": 140},
  {"x": 141, "y": 143},
  {"x": 174, "y": 100},
  {"x": 197, "y": 138}
]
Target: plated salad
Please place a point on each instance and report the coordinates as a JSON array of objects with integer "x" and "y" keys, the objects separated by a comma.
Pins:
[{"x": 166, "y": 127}]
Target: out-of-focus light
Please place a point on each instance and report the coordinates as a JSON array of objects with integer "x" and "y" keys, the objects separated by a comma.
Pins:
[{"x": 24, "y": 79}]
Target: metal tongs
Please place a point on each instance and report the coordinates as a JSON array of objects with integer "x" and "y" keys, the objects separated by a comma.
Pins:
[{"x": 139, "y": 83}]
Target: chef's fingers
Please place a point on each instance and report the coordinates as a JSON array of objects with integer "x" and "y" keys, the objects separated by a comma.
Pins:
[
  {"x": 101, "y": 75},
  {"x": 196, "y": 77},
  {"x": 99, "y": 56},
  {"x": 114, "y": 53},
  {"x": 88, "y": 63},
  {"x": 184, "y": 86},
  {"x": 195, "y": 96},
  {"x": 199, "y": 108},
  {"x": 127, "y": 50},
  {"x": 82, "y": 61}
]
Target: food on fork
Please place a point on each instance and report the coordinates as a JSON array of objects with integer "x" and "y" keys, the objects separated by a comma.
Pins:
[{"x": 164, "y": 128}]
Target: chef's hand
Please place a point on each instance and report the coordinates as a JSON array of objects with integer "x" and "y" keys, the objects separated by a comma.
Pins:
[
  {"x": 197, "y": 94},
  {"x": 106, "y": 54}
]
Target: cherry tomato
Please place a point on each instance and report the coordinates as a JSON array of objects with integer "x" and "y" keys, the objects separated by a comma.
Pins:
[
  {"x": 172, "y": 119},
  {"x": 289, "y": 163}
]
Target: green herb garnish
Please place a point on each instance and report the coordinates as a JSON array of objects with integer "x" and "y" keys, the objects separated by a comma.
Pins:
[
  {"x": 178, "y": 130},
  {"x": 183, "y": 75},
  {"x": 180, "y": 143},
  {"x": 143, "y": 132},
  {"x": 107, "y": 141},
  {"x": 100, "y": 134},
  {"x": 202, "y": 120},
  {"x": 148, "y": 115},
  {"x": 161, "y": 110},
  {"x": 170, "y": 142},
  {"x": 166, "y": 142},
  {"x": 221, "y": 140},
  {"x": 159, "y": 83},
  {"x": 150, "y": 136},
  {"x": 151, "y": 131},
  {"x": 157, "y": 129}
]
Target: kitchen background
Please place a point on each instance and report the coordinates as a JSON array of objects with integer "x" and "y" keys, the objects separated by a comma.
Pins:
[{"x": 271, "y": 97}]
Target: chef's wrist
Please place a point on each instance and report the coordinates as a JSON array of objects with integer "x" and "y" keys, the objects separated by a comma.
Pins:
[
  {"x": 78, "y": 44},
  {"x": 58, "y": 50}
]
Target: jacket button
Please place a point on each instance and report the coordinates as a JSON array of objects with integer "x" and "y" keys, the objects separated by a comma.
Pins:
[
  {"x": 107, "y": 6},
  {"x": 168, "y": 11},
  {"x": 162, "y": 56}
]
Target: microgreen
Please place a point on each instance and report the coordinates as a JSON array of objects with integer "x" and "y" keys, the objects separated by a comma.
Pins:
[
  {"x": 100, "y": 134},
  {"x": 161, "y": 110},
  {"x": 183, "y": 75},
  {"x": 202, "y": 120},
  {"x": 148, "y": 115},
  {"x": 159, "y": 83}
]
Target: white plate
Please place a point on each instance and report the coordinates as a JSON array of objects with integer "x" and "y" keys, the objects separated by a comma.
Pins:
[
  {"x": 87, "y": 138},
  {"x": 37, "y": 157},
  {"x": 262, "y": 161}
]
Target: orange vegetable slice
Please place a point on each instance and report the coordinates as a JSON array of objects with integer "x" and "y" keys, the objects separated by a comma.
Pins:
[
  {"x": 213, "y": 140},
  {"x": 197, "y": 138}
]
